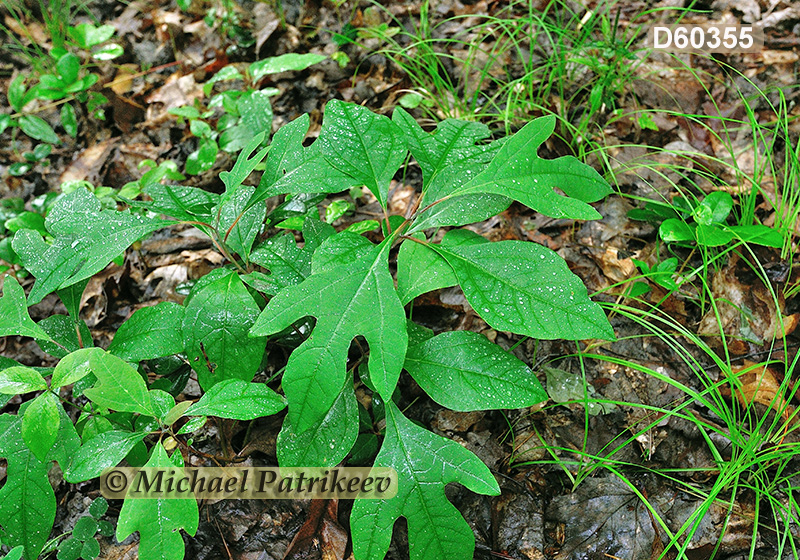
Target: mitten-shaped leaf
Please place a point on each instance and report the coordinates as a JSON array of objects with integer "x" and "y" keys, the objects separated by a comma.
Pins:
[{"x": 519, "y": 173}]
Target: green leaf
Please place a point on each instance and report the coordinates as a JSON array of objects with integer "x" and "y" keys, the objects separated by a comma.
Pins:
[
  {"x": 288, "y": 264},
  {"x": 40, "y": 424},
  {"x": 244, "y": 163},
  {"x": 425, "y": 463},
  {"x": 87, "y": 35},
  {"x": 119, "y": 386},
  {"x": 526, "y": 289},
  {"x": 90, "y": 549},
  {"x": 203, "y": 158},
  {"x": 225, "y": 73},
  {"x": 239, "y": 224},
  {"x": 444, "y": 208},
  {"x": 256, "y": 112},
  {"x": 15, "y": 553},
  {"x": 68, "y": 67},
  {"x": 27, "y": 501},
  {"x": 293, "y": 168},
  {"x": 421, "y": 269},
  {"x": 27, "y": 220},
  {"x": 364, "y": 145},
  {"x": 714, "y": 209},
  {"x": 759, "y": 234},
  {"x": 353, "y": 300},
  {"x": 151, "y": 332},
  {"x": 64, "y": 330},
  {"x": 85, "y": 528},
  {"x": 108, "y": 52},
  {"x": 175, "y": 413},
  {"x": 453, "y": 142},
  {"x": 103, "y": 451},
  {"x": 519, "y": 173},
  {"x": 71, "y": 297},
  {"x": 712, "y": 235},
  {"x": 340, "y": 250},
  {"x": 37, "y": 128},
  {"x": 67, "y": 440},
  {"x": 14, "y": 318},
  {"x": 464, "y": 371},
  {"x": 87, "y": 238},
  {"x": 18, "y": 380},
  {"x": 327, "y": 441},
  {"x": 184, "y": 203},
  {"x": 73, "y": 367},
  {"x": 70, "y": 549},
  {"x": 16, "y": 92},
  {"x": 284, "y": 63},
  {"x": 238, "y": 400},
  {"x": 219, "y": 313},
  {"x": 158, "y": 520},
  {"x": 674, "y": 230},
  {"x": 98, "y": 507}
]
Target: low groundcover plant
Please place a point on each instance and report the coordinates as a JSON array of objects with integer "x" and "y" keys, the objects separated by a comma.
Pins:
[{"x": 316, "y": 298}]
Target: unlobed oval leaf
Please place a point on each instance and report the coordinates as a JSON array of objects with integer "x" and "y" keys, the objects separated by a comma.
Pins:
[
  {"x": 219, "y": 313},
  {"x": 72, "y": 367},
  {"x": 40, "y": 424},
  {"x": 99, "y": 453},
  {"x": 463, "y": 371},
  {"x": 151, "y": 332},
  {"x": 17, "y": 380},
  {"x": 527, "y": 289},
  {"x": 238, "y": 400}
]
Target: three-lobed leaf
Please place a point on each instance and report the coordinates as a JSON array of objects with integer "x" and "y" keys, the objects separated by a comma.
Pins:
[
  {"x": 348, "y": 301},
  {"x": 425, "y": 463},
  {"x": 119, "y": 386},
  {"x": 518, "y": 172},
  {"x": 158, "y": 520}
]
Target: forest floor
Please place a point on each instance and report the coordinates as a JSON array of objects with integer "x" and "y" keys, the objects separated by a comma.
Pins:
[{"x": 606, "y": 468}]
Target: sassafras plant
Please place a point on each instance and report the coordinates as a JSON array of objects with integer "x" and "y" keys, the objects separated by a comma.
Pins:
[{"x": 317, "y": 297}]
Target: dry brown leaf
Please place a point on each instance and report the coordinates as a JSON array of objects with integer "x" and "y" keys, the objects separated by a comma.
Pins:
[
  {"x": 757, "y": 384},
  {"x": 746, "y": 310},
  {"x": 89, "y": 163}
]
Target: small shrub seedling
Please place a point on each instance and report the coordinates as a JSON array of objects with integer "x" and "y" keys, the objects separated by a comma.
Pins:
[
  {"x": 316, "y": 298},
  {"x": 246, "y": 111}
]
